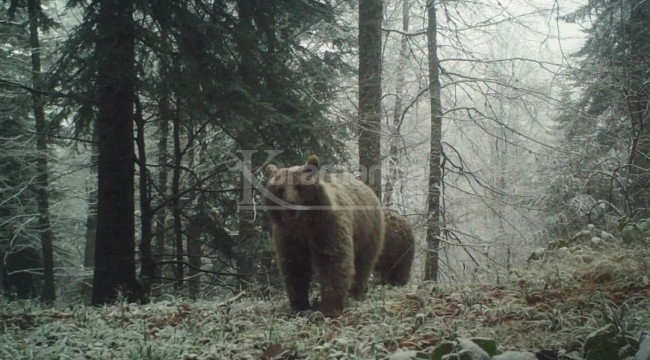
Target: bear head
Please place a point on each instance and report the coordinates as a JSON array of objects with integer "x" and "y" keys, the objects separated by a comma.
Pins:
[{"x": 293, "y": 192}]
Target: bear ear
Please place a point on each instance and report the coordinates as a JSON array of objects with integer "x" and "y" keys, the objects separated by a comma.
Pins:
[
  {"x": 314, "y": 162},
  {"x": 269, "y": 170}
]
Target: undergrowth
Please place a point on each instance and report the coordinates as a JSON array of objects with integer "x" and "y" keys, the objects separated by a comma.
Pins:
[{"x": 555, "y": 303}]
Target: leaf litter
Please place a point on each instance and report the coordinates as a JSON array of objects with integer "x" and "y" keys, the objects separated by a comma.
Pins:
[{"x": 553, "y": 304}]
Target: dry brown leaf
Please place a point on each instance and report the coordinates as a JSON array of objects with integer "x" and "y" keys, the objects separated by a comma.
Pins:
[
  {"x": 273, "y": 351},
  {"x": 409, "y": 344},
  {"x": 535, "y": 297}
]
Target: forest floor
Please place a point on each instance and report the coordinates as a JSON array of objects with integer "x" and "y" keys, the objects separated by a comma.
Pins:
[{"x": 552, "y": 304}]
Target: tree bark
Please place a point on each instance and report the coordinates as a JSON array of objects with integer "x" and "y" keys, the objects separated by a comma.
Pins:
[
  {"x": 176, "y": 201},
  {"x": 195, "y": 223},
  {"x": 147, "y": 265},
  {"x": 91, "y": 217},
  {"x": 638, "y": 98},
  {"x": 44, "y": 228},
  {"x": 246, "y": 249},
  {"x": 246, "y": 253},
  {"x": 370, "y": 17},
  {"x": 435, "y": 171},
  {"x": 163, "y": 174},
  {"x": 195, "y": 228},
  {"x": 115, "y": 248},
  {"x": 395, "y": 137}
]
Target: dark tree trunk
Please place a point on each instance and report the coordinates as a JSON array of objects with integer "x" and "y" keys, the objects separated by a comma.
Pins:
[
  {"x": 435, "y": 171},
  {"x": 176, "y": 201},
  {"x": 638, "y": 98},
  {"x": 195, "y": 228},
  {"x": 45, "y": 231},
  {"x": 115, "y": 248},
  {"x": 370, "y": 16},
  {"x": 147, "y": 266},
  {"x": 91, "y": 217},
  {"x": 246, "y": 249}
]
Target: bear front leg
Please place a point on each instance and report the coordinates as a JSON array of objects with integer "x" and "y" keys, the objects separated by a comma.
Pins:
[
  {"x": 295, "y": 268},
  {"x": 364, "y": 262},
  {"x": 335, "y": 276}
]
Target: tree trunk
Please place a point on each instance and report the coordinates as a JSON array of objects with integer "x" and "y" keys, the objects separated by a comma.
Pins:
[
  {"x": 435, "y": 172},
  {"x": 395, "y": 137},
  {"x": 195, "y": 228},
  {"x": 115, "y": 248},
  {"x": 147, "y": 266},
  {"x": 91, "y": 217},
  {"x": 638, "y": 102},
  {"x": 370, "y": 16},
  {"x": 176, "y": 201},
  {"x": 246, "y": 253},
  {"x": 44, "y": 228},
  {"x": 246, "y": 249},
  {"x": 163, "y": 174}
]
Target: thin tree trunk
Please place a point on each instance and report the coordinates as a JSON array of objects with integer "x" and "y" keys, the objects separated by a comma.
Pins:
[
  {"x": 91, "y": 217},
  {"x": 147, "y": 266},
  {"x": 163, "y": 174},
  {"x": 246, "y": 253},
  {"x": 115, "y": 248},
  {"x": 194, "y": 231},
  {"x": 370, "y": 16},
  {"x": 395, "y": 138},
  {"x": 176, "y": 201},
  {"x": 45, "y": 230},
  {"x": 435, "y": 172},
  {"x": 195, "y": 223}
]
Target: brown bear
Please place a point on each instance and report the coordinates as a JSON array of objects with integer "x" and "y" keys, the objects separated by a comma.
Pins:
[
  {"x": 394, "y": 264},
  {"x": 330, "y": 226}
]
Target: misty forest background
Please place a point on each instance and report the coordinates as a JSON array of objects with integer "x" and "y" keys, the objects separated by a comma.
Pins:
[{"x": 500, "y": 127}]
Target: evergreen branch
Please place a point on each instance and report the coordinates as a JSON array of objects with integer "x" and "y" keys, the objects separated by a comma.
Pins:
[{"x": 12, "y": 84}]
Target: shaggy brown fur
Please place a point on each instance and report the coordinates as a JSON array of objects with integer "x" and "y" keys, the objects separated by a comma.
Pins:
[
  {"x": 394, "y": 264},
  {"x": 330, "y": 226}
]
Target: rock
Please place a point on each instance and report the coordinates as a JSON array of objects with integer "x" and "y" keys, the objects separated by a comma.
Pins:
[
  {"x": 472, "y": 351},
  {"x": 607, "y": 237},
  {"x": 596, "y": 242}
]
